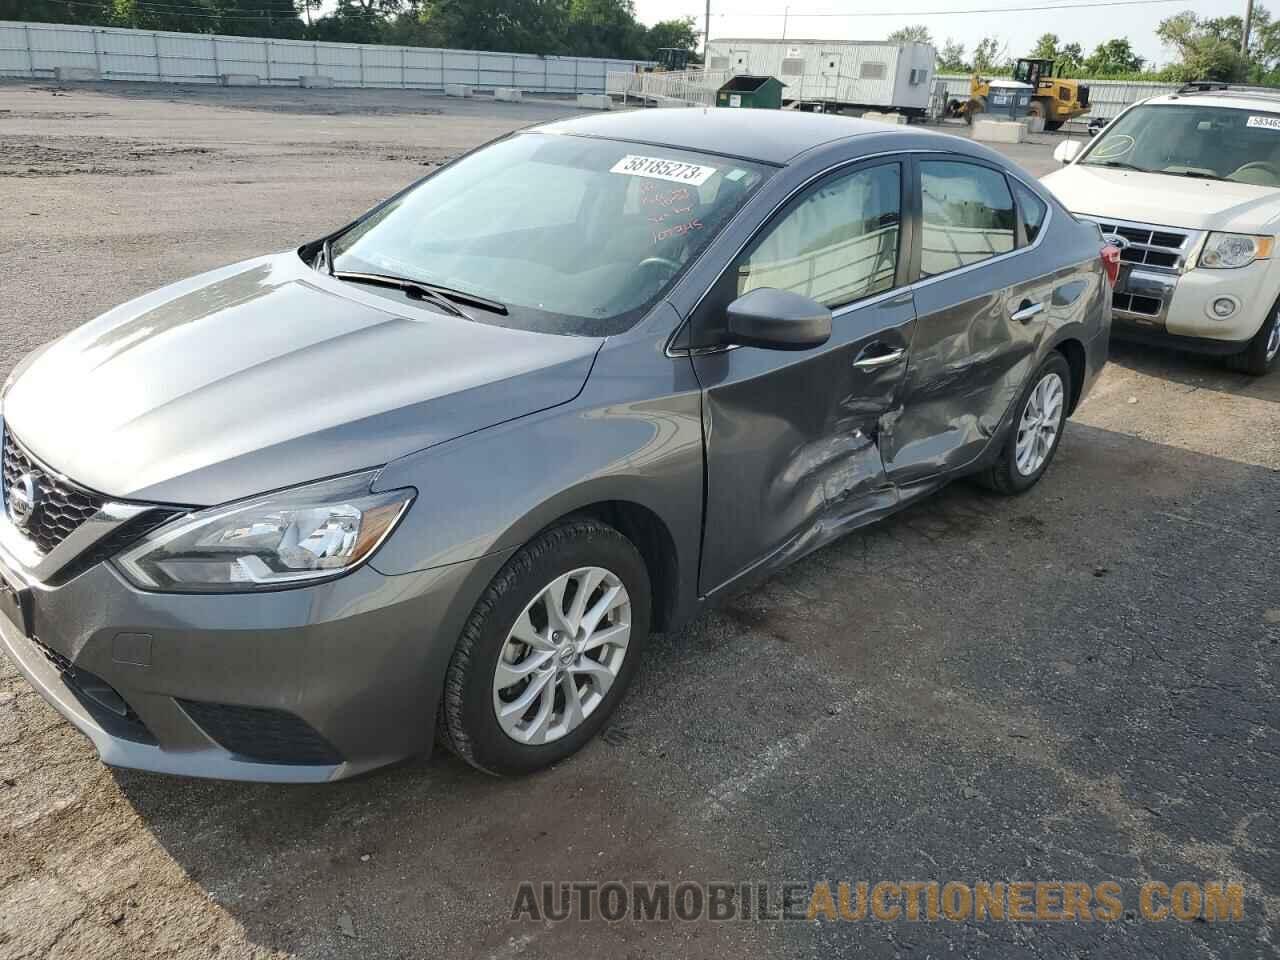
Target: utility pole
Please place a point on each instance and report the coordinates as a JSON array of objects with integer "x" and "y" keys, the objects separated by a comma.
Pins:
[
  {"x": 785, "y": 11},
  {"x": 1244, "y": 35},
  {"x": 706, "y": 38}
]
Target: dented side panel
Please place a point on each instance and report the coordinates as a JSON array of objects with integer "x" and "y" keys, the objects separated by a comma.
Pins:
[{"x": 791, "y": 440}]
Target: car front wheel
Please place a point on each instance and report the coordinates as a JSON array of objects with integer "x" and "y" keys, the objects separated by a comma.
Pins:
[
  {"x": 1260, "y": 356},
  {"x": 1036, "y": 432},
  {"x": 549, "y": 650}
]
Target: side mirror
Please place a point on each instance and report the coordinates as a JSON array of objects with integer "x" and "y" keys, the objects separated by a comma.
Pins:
[
  {"x": 1067, "y": 151},
  {"x": 778, "y": 320}
]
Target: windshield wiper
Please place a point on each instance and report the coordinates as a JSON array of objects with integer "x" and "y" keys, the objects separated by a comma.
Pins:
[
  {"x": 442, "y": 297},
  {"x": 1118, "y": 164}
]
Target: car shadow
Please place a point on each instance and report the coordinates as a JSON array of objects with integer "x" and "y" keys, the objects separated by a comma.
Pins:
[
  {"x": 1194, "y": 370},
  {"x": 971, "y": 684}
]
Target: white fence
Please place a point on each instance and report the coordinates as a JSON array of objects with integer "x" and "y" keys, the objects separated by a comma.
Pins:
[
  {"x": 683, "y": 88},
  {"x": 38, "y": 50}
]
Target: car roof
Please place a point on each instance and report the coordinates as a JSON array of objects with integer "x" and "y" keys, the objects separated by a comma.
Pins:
[
  {"x": 1240, "y": 99},
  {"x": 771, "y": 136}
]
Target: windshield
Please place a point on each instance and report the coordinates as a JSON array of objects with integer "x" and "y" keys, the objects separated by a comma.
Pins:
[
  {"x": 574, "y": 235},
  {"x": 1222, "y": 143}
]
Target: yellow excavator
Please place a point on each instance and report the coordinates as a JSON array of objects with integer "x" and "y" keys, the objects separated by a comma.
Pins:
[{"x": 1056, "y": 99}]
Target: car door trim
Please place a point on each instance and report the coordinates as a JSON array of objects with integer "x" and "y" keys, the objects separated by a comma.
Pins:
[{"x": 911, "y": 159}]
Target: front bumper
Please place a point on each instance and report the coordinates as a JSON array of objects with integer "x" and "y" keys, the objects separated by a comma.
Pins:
[{"x": 304, "y": 685}]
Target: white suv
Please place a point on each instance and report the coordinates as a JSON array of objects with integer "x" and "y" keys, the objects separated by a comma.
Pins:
[{"x": 1188, "y": 186}]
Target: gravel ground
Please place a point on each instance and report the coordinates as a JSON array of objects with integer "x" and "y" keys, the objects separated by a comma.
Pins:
[{"x": 1079, "y": 684}]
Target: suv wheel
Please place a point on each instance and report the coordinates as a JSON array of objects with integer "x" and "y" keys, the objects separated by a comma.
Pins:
[
  {"x": 1037, "y": 431},
  {"x": 549, "y": 650},
  {"x": 1260, "y": 356}
]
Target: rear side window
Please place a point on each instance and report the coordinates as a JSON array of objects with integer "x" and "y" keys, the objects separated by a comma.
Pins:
[
  {"x": 837, "y": 244},
  {"x": 968, "y": 215},
  {"x": 1031, "y": 210}
]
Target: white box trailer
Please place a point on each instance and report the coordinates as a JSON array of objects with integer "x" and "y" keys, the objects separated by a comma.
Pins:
[{"x": 837, "y": 73}]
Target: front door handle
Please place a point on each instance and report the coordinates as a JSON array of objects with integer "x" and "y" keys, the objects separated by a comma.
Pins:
[
  {"x": 1026, "y": 310},
  {"x": 879, "y": 359}
]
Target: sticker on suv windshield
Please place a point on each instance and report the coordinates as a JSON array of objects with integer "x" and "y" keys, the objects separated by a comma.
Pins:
[
  {"x": 1271, "y": 123},
  {"x": 659, "y": 169}
]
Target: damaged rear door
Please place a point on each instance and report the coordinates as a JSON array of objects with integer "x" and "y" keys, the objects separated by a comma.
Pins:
[{"x": 791, "y": 451}]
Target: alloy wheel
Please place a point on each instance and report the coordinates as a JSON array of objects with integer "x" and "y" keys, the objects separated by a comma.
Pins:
[
  {"x": 1038, "y": 428},
  {"x": 562, "y": 655}
]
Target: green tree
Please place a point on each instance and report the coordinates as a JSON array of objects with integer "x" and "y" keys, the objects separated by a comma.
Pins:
[
  {"x": 951, "y": 59},
  {"x": 1204, "y": 53},
  {"x": 916, "y": 33},
  {"x": 988, "y": 55},
  {"x": 681, "y": 33},
  {"x": 1116, "y": 56},
  {"x": 1046, "y": 47}
]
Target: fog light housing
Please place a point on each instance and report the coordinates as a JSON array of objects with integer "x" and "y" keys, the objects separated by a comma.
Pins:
[{"x": 1221, "y": 308}]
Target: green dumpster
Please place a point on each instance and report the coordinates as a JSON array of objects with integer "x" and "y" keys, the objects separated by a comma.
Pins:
[{"x": 761, "y": 93}]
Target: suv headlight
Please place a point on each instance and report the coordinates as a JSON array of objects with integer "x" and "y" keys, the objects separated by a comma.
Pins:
[
  {"x": 1226, "y": 250},
  {"x": 289, "y": 538}
]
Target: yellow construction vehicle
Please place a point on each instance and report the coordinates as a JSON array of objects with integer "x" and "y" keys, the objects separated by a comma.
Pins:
[{"x": 1056, "y": 99}]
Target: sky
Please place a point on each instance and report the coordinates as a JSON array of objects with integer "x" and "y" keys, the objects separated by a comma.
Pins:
[{"x": 1019, "y": 29}]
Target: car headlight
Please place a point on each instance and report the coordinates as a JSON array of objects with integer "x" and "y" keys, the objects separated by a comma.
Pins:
[
  {"x": 289, "y": 538},
  {"x": 1227, "y": 250}
]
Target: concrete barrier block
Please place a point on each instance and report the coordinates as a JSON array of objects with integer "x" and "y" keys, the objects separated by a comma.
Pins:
[
  {"x": 315, "y": 80},
  {"x": 999, "y": 131},
  {"x": 239, "y": 80},
  {"x": 73, "y": 74},
  {"x": 457, "y": 90},
  {"x": 894, "y": 118},
  {"x": 510, "y": 94},
  {"x": 595, "y": 101},
  {"x": 1035, "y": 124}
]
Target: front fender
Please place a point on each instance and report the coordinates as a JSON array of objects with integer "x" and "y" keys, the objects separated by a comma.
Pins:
[{"x": 633, "y": 435}]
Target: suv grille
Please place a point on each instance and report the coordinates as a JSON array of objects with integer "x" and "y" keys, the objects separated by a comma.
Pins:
[
  {"x": 62, "y": 507},
  {"x": 1150, "y": 246}
]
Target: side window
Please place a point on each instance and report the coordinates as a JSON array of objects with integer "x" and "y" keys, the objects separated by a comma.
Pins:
[
  {"x": 968, "y": 215},
  {"x": 1031, "y": 209},
  {"x": 837, "y": 245}
]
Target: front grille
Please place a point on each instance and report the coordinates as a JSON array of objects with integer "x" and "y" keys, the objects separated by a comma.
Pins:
[
  {"x": 62, "y": 505},
  {"x": 262, "y": 734},
  {"x": 99, "y": 698},
  {"x": 1150, "y": 246},
  {"x": 1136, "y": 303}
]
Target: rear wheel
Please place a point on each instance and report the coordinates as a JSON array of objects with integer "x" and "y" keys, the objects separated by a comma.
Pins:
[
  {"x": 1052, "y": 125},
  {"x": 1260, "y": 356},
  {"x": 549, "y": 650},
  {"x": 1034, "y": 437}
]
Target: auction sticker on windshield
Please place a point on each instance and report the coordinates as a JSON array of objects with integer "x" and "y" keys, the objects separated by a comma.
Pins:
[
  {"x": 660, "y": 169},
  {"x": 1271, "y": 123}
]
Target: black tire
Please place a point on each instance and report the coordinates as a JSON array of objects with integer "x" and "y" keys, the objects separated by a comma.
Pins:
[
  {"x": 1053, "y": 125},
  {"x": 1253, "y": 360},
  {"x": 468, "y": 724},
  {"x": 1003, "y": 477}
]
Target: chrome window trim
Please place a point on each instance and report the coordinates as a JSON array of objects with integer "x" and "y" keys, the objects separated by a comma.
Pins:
[{"x": 675, "y": 352}]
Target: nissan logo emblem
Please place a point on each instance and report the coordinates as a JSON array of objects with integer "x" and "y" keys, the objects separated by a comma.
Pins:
[
  {"x": 1115, "y": 240},
  {"x": 24, "y": 497}
]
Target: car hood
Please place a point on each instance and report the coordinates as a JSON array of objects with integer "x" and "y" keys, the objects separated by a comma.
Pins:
[
  {"x": 1165, "y": 200},
  {"x": 266, "y": 374}
]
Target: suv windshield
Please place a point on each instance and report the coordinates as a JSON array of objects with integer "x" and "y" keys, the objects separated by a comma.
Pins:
[
  {"x": 1223, "y": 143},
  {"x": 574, "y": 235}
]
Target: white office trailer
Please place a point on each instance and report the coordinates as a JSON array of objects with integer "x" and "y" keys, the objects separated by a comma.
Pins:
[{"x": 836, "y": 73}]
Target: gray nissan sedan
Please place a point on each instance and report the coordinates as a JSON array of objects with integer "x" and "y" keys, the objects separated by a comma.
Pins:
[{"x": 438, "y": 475}]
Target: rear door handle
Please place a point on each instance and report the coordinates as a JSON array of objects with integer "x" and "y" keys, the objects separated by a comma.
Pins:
[
  {"x": 1026, "y": 311},
  {"x": 880, "y": 359}
]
